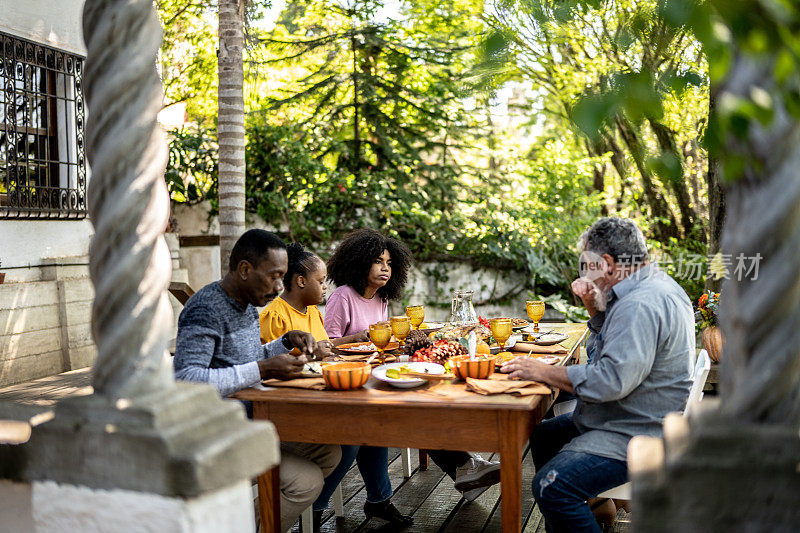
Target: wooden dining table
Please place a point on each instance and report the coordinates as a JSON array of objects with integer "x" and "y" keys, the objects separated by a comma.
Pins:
[{"x": 438, "y": 415}]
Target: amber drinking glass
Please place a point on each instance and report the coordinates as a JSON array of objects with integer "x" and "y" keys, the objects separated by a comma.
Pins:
[
  {"x": 501, "y": 329},
  {"x": 401, "y": 327},
  {"x": 380, "y": 334},
  {"x": 535, "y": 309},
  {"x": 416, "y": 314}
]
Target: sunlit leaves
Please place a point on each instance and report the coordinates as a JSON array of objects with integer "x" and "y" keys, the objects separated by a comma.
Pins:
[{"x": 191, "y": 173}]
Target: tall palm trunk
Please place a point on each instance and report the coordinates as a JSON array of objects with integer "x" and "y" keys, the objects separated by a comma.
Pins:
[{"x": 230, "y": 127}]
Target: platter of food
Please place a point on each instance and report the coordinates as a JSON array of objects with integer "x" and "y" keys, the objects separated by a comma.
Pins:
[
  {"x": 356, "y": 348},
  {"x": 396, "y": 373},
  {"x": 454, "y": 332},
  {"x": 519, "y": 323}
]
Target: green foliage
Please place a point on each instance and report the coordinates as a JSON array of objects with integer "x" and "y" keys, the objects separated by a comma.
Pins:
[
  {"x": 191, "y": 173},
  {"x": 359, "y": 118},
  {"x": 765, "y": 33},
  {"x": 685, "y": 260},
  {"x": 572, "y": 313},
  {"x": 188, "y": 61}
]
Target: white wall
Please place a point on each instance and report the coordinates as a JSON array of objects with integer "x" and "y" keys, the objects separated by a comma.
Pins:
[
  {"x": 23, "y": 244},
  {"x": 53, "y": 22}
]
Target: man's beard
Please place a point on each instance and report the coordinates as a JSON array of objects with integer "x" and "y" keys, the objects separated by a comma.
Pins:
[{"x": 601, "y": 297}]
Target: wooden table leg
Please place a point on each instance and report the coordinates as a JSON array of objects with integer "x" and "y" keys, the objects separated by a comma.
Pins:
[
  {"x": 269, "y": 486},
  {"x": 423, "y": 460},
  {"x": 269, "y": 500},
  {"x": 512, "y": 429}
]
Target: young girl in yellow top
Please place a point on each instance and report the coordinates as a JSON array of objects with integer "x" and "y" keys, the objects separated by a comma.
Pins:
[{"x": 296, "y": 309}]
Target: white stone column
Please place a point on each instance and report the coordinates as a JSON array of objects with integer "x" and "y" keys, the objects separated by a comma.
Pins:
[{"x": 141, "y": 441}]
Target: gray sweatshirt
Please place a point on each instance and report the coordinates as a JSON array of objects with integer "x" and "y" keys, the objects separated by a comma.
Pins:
[{"x": 219, "y": 342}]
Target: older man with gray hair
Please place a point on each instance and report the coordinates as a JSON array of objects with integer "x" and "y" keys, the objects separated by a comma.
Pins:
[{"x": 641, "y": 370}]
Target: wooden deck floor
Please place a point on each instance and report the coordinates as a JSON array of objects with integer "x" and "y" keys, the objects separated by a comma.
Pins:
[
  {"x": 25, "y": 400},
  {"x": 434, "y": 504}
]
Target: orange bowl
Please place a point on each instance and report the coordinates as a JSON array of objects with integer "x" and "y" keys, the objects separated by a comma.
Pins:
[
  {"x": 346, "y": 376},
  {"x": 479, "y": 368}
]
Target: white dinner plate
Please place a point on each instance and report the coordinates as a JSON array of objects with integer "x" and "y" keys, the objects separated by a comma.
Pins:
[
  {"x": 547, "y": 339},
  {"x": 432, "y": 326},
  {"x": 407, "y": 383},
  {"x": 512, "y": 340}
]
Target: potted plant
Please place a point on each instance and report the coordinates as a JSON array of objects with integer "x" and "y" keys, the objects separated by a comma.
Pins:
[{"x": 706, "y": 316}]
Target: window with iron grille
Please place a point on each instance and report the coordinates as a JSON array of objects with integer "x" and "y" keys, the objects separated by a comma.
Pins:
[{"x": 42, "y": 161}]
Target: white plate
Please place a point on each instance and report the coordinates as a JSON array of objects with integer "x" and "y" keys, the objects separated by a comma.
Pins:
[
  {"x": 432, "y": 326},
  {"x": 407, "y": 383},
  {"x": 548, "y": 359},
  {"x": 512, "y": 340},
  {"x": 547, "y": 339}
]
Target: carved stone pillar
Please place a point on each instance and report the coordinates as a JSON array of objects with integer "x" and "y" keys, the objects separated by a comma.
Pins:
[
  {"x": 140, "y": 433},
  {"x": 735, "y": 464}
]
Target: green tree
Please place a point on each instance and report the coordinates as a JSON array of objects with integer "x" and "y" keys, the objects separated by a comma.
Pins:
[
  {"x": 187, "y": 59},
  {"x": 378, "y": 102},
  {"x": 230, "y": 127},
  {"x": 633, "y": 86}
]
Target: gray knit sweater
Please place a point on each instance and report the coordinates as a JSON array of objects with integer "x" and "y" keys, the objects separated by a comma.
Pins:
[{"x": 219, "y": 342}]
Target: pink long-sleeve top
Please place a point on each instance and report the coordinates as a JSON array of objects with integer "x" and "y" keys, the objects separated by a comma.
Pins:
[{"x": 347, "y": 312}]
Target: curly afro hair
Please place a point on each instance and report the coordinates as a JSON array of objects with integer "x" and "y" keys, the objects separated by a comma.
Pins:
[{"x": 353, "y": 258}]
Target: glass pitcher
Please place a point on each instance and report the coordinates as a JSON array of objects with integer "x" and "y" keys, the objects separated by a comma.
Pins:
[{"x": 461, "y": 309}]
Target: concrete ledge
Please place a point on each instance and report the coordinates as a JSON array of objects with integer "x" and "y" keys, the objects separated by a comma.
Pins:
[
  {"x": 29, "y": 319},
  {"x": 47, "y": 506},
  {"x": 30, "y": 343},
  {"x": 33, "y": 294},
  {"x": 58, "y": 507},
  {"x": 721, "y": 475},
  {"x": 180, "y": 442}
]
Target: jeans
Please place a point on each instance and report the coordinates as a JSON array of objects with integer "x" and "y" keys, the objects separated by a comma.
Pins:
[
  {"x": 564, "y": 480},
  {"x": 373, "y": 464}
]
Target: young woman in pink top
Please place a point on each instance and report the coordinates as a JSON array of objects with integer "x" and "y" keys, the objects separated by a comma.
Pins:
[{"x": 369, "y": 269}]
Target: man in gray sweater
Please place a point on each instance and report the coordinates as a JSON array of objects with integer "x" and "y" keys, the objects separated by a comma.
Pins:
[{"x": 219, "y": 343}]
